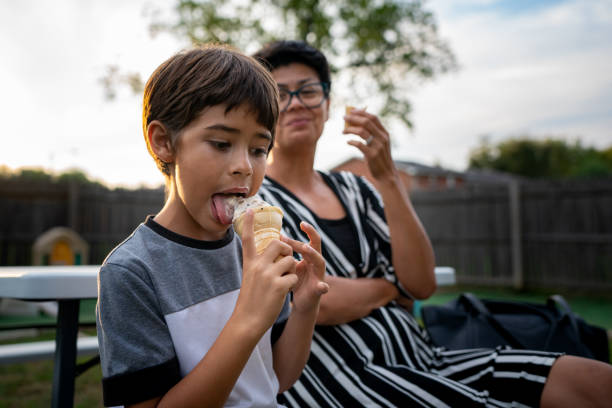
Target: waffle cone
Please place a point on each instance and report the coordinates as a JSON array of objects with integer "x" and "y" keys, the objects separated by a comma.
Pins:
[
  {"x": 267, "y": 224},
  {"x": 347, "y": 110}
]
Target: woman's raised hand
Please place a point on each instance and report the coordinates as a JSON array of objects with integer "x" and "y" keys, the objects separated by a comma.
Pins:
[{"x": 376, "y": 145}]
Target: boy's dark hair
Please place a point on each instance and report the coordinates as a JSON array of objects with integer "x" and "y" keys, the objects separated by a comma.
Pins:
[
  {"x": 192, "y": 80},
  {"x": 279, "y": 53}
]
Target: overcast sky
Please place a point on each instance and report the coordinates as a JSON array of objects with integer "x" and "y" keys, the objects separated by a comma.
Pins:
[{"x": 542, "y": 68}]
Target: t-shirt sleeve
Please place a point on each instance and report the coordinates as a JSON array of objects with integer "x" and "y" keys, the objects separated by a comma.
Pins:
[{"x": 136, "y": 352}]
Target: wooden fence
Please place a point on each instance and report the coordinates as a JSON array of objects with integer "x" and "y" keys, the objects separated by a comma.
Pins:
[
  {"x": 523, "y": 234},
  {"x": 102, "y": 217},
  {"x": 536, "y": 234}
]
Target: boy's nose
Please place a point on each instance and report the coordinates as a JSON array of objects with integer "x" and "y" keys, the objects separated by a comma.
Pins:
[{"x": 241, "y": 163}]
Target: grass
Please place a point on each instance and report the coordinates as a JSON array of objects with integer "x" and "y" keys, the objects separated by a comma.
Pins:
[{"x": 29, "y": 384}]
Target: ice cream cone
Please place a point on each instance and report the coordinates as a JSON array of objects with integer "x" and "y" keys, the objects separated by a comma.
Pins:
[
  {"x": 347, "y": 111},
  {"x": 267, "y": 224}
]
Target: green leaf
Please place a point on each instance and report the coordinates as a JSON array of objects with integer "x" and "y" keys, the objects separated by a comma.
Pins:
[{"x": 393, "y": 42}]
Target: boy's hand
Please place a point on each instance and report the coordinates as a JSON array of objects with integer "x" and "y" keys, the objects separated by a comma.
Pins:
[
  {"x": 310, "y": 271},
  {"x": 265, "y": 283}
]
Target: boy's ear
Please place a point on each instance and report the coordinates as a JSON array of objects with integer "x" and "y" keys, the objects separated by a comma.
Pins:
[{"x": 159, "y": 140}]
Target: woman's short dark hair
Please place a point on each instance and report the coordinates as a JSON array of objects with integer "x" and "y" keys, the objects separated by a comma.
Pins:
[
  {"x": 280, "y": 53},
  {"x": 192, "y": 80}
]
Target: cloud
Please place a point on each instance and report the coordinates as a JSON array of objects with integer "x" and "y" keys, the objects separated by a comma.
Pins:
[
  {"x": 54, "y": 112},
  {"x": 540, "y": 69},
  {"x": 545, "y": 72}
]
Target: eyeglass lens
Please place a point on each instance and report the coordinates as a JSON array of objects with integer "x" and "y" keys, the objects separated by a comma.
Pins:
[{"x": 310, "y": 95}]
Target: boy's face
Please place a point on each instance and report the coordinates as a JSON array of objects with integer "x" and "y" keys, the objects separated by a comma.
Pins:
[{"x": 217, "y": 156}]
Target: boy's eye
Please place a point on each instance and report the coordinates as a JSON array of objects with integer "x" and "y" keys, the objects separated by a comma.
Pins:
[
  {"x": 221, "y": 145},
  {"x": 260, "y": 151}
]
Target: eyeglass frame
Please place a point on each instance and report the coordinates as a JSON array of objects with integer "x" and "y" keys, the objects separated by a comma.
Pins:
[{"x": 324, "y": 85}]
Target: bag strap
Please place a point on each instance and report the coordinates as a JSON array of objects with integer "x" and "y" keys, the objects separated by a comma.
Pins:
[
  {"x": 476, "y": 305},
  {"x": 559, "y": 302}
]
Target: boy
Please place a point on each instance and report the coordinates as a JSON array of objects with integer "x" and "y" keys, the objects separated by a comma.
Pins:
[{"x": 184, "y": 313}]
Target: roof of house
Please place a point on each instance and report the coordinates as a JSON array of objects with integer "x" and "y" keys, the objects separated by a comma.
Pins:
[
  {"x": 489, "y": 176},
  {"x": 416, "y": 169},
  {"x": 413, "y": 168},
  {"x": 471, "y": 175}
]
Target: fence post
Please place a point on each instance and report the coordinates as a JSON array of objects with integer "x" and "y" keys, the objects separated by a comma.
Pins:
[{"x": 514, "y": 195}]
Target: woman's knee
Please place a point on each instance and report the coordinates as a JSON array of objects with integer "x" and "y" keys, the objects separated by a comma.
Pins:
[{"x": 576, "y": 381}]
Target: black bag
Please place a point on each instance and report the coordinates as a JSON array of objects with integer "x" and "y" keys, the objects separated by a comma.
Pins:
[{"x": 468, "y": 322}]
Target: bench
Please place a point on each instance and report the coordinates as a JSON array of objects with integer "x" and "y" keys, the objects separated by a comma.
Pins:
[{"x": 43, "y": 350}]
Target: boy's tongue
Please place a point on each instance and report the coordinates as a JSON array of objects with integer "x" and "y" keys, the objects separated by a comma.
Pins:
[{"x": 223, "y": 208}]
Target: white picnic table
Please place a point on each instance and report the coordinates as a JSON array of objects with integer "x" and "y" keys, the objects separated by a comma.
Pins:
[{"x": 68, "y": 285}]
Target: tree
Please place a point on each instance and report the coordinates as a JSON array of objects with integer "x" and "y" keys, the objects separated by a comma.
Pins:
[
  {"x": 549, "y": 158},
  {"x": 380, "y": 46},
  {"x": 40, "y": 175}
]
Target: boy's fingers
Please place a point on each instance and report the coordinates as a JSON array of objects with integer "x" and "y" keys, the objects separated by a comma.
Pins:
[
  {"x": 313, "y": 235},
  {"x": 285, "y": 250},
  {"x": 313, "y": 257},
  {"x": 294, "y": 244},
  {"x": 310, "y": 255},
  {"x": 290, "y": 280},
  {"x": 277, "y": 250},
  {"x": 248, "y": 240},
  {"x": 322, "y": 287},
  {"x": 312, "y": 251},
  {"x": 299, "y": 246},
  {"x": 286, "y": 265}
]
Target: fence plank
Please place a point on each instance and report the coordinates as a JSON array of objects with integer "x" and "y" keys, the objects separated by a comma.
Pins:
[
  {"x": 564, "y": 229},
  {"x": 564, "y": 233}
]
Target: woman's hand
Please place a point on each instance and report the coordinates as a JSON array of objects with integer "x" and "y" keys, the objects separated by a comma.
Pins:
[
  {"x": 377, "y": 145},
  {"x": 310, "y": 271}
]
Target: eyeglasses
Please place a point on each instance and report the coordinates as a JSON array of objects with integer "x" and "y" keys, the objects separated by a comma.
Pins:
[{"x": 310, "y": 95}]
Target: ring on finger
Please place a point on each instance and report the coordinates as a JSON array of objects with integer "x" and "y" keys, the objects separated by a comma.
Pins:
[{"x": 369, "y": 140}]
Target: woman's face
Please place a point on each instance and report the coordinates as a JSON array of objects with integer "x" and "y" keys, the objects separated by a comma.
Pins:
[{"x": 298, "y": 124}]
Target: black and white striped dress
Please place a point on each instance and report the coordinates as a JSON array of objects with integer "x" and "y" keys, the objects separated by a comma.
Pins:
[{"x": 386, "y": 359}]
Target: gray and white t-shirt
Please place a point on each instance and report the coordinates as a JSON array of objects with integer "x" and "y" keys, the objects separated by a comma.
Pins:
[{"x": 163, "y": 299}]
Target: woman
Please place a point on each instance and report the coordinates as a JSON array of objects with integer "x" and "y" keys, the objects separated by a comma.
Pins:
[{"x": 367, "y": 349}]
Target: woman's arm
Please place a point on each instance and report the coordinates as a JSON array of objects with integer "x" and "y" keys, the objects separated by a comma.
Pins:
[
  {"x": 413, "y": 257},
  {"x": 351, "y": 299}
]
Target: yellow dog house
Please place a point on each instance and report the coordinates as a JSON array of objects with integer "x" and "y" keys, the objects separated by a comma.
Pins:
[
  {"x": 57, "y": 246},
  {"x": 60, "y": 246}
]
